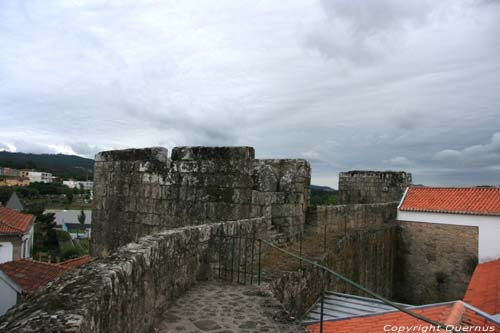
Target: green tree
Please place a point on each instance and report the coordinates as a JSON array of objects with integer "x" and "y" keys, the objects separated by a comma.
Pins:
[
  {"x": 69, "y": 197},
  {"x": 81, "y": 219},
  {"x": 68, "y": 251},
  {"x": 45, "y": 234},
  {"x": 5, "y": 193},
  {"x": 319, "y": 197}
]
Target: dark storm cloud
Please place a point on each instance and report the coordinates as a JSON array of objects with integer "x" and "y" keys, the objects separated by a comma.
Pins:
[{"x": 385, "y": 84}]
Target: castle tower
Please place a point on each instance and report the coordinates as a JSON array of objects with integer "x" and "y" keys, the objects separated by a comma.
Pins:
[{"x": 363, "y": 187}]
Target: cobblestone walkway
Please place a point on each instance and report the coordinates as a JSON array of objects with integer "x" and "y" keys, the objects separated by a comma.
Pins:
[{"x": 226, "y": 308}]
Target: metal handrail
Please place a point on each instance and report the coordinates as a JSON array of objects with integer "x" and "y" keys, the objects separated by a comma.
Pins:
[{"x": 358, "y": 286}]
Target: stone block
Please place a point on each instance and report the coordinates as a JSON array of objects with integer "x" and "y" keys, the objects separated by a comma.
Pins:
[{"x": 212, "y": 153}]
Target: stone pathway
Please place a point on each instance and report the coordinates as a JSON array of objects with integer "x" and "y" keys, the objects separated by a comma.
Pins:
[{"x": 226, "y": 308}]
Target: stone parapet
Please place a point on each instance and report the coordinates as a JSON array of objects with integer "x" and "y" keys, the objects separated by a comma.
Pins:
[
  {"x": 435, "y": 261},
  {"x": 140, "y": 191},
  {"x": 364, "y": 187},
  {"x": 125, "y": 291},
  {"x": 212, "y": 153}
]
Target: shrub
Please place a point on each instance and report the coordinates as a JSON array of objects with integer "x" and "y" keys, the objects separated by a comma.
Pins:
[
  {"x": 68, "y": 251},
  {"x": 62, "y": 235}
]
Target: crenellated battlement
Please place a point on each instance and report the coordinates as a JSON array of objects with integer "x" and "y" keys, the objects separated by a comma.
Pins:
[
  {"x": 155, "y": 227},
  {"x": 364, "y": 187},
  {"x": 141, "y": 191}
]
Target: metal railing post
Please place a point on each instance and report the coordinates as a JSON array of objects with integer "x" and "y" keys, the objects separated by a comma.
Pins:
[
  {"x": 259, "y": 264},
  {"x": 232, "y": 257},
  {"x": 239, "y": 254},
  {"x": 245, "y": 257},
  {"x": 384, "y": 300},
  {"x": 322, "y": 302},
  {"x": 253, "y": 258},
  {"x": 300, "y": 249},
  {"x": 324, "y": 239},
  {"x": 220, "y": 251}
]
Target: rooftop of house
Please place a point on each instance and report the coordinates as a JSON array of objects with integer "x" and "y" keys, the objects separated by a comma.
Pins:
[
  {"x": 30, "y": 275},
  {"x": 14, "y": 203},
  {"x": 342, "y": 306},
  {"x": 77, "y": 226},
  {"x": 454, "y": 200},
  {"x": 483, "y": 291},
  {"x": 12, "y": 222},
  {"x": 73, "y": 263},
  {"x": 453, "y": 313},
  {"x": 481, "y": 308}
]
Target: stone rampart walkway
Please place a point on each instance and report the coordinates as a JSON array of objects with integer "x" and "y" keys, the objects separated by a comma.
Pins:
[{"x": 226, "y": 308}]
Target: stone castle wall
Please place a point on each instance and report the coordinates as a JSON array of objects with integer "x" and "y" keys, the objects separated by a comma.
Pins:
[
  {"x": 141, "y": 191},
  {"x": 362, "y": 187},
  {"x": 361, "y": 245},
  {"x": 125, "y": 291},
  {"x": 154, "y": 221},
  {"x": 344, "y": 218},
  {"x": 435, "y": 261}
]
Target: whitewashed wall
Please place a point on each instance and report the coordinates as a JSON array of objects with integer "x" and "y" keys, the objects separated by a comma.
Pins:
[
  {"x": 6, "y": 252},
  {"x": 489, "y": 228},
  {"x": 8, "y": 296}
]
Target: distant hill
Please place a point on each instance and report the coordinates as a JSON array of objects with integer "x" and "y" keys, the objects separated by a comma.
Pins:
[
  {"x": 323, "y": 195},
  {"x": 64, "y": 166},
  {"x": 323, "y": 188}
]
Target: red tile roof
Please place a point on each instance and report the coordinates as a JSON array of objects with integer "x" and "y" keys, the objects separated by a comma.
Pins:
[
  {"x": 449, "y": 314},
  {"x": 31, "y": 275},
  {"x": 463, "y": 200},
  {"x": 483, "y": 291},
  {"x": 12, "y": 222},
  {"x": 77, "y": 262}
]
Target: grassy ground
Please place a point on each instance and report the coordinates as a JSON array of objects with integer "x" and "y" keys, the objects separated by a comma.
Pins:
[{"x": 71, "y": 248}]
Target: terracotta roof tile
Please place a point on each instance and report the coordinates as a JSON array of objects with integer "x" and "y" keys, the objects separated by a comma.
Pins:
[
  {"x": 483, "y": 291},
  {"x": 453, "y": 314},
  {"x": 458, "y": 200},
  {"x": 77, "y": 262},
  {"x": 31, "y": 275},
  {"x": 12, "y": 222},
  {"x": 7, "y": 229}
]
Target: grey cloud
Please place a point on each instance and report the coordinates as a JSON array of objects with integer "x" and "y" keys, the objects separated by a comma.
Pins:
[
  {"x": 400, "y": 161},
  {"x": 38, "y": 148},
  {"x": 407, "y": 120},
  {"x": 478, "y": 155},
  {"x": 346, "y": 84},
  {"x": 363, "y": 32},
  {"x": 448, "y": 155},
  {"x": 369, "y": 17},
  {"x": 85, "y": 149}
]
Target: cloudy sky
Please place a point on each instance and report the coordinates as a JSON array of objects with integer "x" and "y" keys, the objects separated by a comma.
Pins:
[{"x": 403, "y": 85}]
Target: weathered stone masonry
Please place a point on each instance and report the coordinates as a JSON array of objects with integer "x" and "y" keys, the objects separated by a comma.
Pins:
[
  {"x": 361, "y": 245},
  {"x": 364, "y": 187},
  {"x": 125, "y": 291},
  {"x": 155, "y": 222},
  {"x": 436, "y": 261},
  {"x": 141, "y": 191}
]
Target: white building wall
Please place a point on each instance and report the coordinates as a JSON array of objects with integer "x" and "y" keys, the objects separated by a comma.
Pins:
[
  {"x": 6, "y": 252},
  {"x": 31, "y": 240},
  {"x": 43, "y": 177},
  {"x": 87, "y": 185},
  {"x": 8, "y": 297},
  {"x": 27, "y": 243},
  {"x": 489, "y": 228}
]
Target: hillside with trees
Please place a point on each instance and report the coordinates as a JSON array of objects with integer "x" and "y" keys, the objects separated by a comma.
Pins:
[
  {"x": 60, "y": 165},
  {"x": 323, "y": 195}
]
